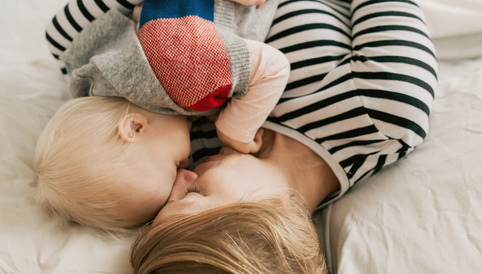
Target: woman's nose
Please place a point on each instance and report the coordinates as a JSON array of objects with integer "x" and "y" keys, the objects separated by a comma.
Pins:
[{"x": 184, "y": 179}]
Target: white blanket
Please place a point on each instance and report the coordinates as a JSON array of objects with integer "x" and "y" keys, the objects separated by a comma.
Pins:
[
  {"x": 421, "y": 215},
  {"x": 455, "y": 26}
]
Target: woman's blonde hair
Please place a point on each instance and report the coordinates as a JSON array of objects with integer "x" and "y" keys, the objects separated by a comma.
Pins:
[
  {"x": 78, "y": 160},
  {"x": 248, "y": 237}
]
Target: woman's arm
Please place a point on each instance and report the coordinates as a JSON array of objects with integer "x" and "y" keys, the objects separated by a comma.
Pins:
[{"x": 74, "y": 17}]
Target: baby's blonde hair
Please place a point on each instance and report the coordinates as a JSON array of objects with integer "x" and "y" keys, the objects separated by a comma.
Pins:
[
  {"x": 248, "y": 237},
  {"x": 79, "y": 159}
]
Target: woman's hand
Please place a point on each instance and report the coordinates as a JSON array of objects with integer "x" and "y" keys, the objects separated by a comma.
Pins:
[
  {"x": 250, "y": 147},
  {"x": 258, "y": 3}
]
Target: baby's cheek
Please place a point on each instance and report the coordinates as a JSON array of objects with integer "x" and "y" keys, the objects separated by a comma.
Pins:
[
  {"x": 161, "y": 196},
  {"x": 186, "y": 147}
]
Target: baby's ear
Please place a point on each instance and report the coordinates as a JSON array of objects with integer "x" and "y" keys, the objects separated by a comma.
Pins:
[{"x": 131, "y": 126}]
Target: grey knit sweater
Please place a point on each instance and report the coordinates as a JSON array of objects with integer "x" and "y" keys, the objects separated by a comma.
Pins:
[{"x": 106, "y": 59}]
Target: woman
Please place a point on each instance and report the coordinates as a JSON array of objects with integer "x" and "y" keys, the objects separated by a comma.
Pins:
[{"x": 362, "y": 82}]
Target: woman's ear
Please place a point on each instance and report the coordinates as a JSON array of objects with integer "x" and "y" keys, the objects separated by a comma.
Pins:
[{"x": 131, "y": 126}]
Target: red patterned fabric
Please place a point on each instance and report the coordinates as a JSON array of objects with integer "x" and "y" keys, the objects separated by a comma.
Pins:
[{"x": 190, "y": 60}]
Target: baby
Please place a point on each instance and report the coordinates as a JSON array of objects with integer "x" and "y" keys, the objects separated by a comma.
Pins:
[{"x": 109, "y": 160}]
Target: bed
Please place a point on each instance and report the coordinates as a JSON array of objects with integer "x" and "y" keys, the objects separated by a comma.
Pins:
[{"x": 419, "y": 215}]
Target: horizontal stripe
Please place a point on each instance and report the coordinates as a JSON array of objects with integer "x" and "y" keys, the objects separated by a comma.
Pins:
[
  {"x": 333, "y": 119},
  {"x": 305, "y": 81},
  {"x": 348, "y": 134},
  {"x": 353, "y": 144},
  {"x": 71, "y": 19},
  {"x": 385, "y": 14},
  {"x": 102, "y": 5},
  {"x": 126, "y": 4},
  {"x": 54, "y": 43},
  {"x": 285, "y": 3},
  {"x": 312, "y": 44},
  {"x": 199, "y": 154},
  {"x": 204, "y": 134},
  {"x": 315, "y": 61},
  {"x": 385, "y": 43},
  {"x": 397, "y": 59},
  {"x": 395, "y": 96},
  {"x": 315, "y": 106},
  {"x": 385, "y": 28},
  {"x": 368, "y": 75},
  {"x": 84, "y": 11},
  {"x": 305, "y": 27},
  {"x": 397, "y": 120},
  {"x": 375, "y": 2},
  {"x": 60, "y": 29},
  {"x": 306, "y": 12}
]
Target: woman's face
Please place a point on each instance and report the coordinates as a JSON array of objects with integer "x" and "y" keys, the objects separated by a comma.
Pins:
[{"x": 222, "y": 179}]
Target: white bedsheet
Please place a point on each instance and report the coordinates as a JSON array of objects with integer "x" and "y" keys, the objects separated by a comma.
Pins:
[
  {"x": 421, "y": 215},
  {"x": 455, "y": 26}
]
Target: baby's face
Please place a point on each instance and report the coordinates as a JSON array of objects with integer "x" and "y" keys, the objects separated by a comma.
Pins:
[{"x": 161, "y": 149}]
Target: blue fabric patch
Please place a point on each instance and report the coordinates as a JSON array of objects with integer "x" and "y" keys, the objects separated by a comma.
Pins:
[{"x": 155, "y": 9}]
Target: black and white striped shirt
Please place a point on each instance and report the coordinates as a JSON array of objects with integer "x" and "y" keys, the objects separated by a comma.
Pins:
[{"x": 363, "y": 78}]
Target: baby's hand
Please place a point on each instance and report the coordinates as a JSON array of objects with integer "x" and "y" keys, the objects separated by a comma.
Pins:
[
  {"x": 250, "y": 147},
  {"x": 258, "y": 3}
]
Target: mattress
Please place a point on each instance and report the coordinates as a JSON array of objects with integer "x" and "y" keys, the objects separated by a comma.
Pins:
[{"x": 419, "y": 215}]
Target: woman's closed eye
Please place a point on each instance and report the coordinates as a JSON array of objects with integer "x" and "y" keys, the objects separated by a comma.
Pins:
[{"x": 193, "y": 190}]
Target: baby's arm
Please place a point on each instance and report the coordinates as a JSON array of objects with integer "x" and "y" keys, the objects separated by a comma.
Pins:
[
  {"x": 74, "y": 17},
  {"x": 238, "y": 123}
]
